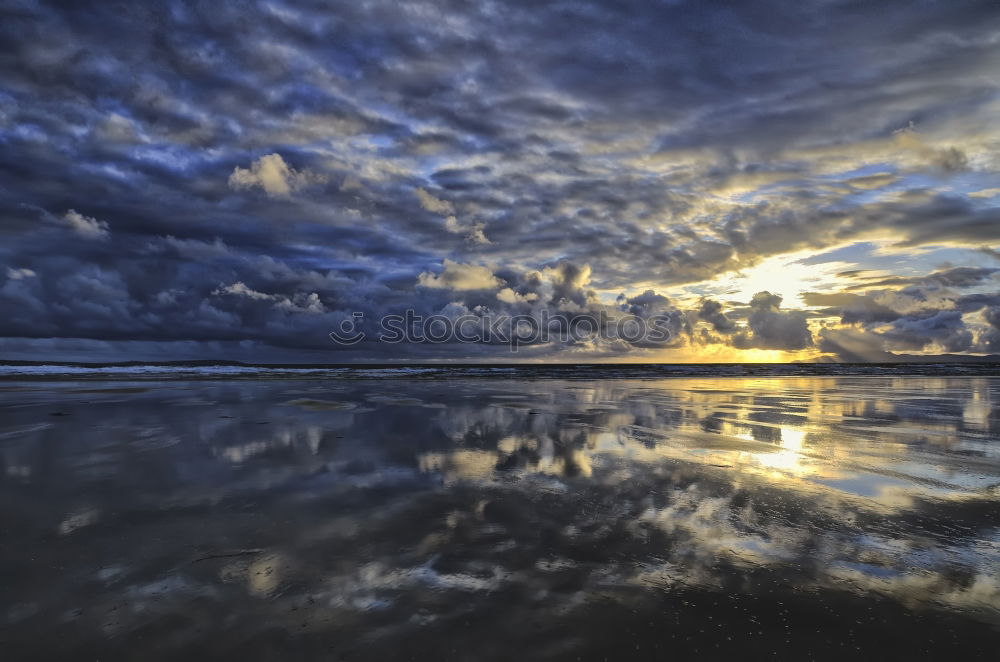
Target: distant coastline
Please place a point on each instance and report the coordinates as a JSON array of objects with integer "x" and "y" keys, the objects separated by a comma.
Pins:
[{"x": 32, "y": 370}]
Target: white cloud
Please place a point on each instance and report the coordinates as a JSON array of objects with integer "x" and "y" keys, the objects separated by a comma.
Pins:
[
  {"x": 474, "y": 233},
  {"x": 271, "y": 173},
  {"x": 507, "y": 295},
  {"x": 432, "y": 204},
  {"x": 301, "y": 302},
  {"x": 86, "y": 226},
  {"x": 239, "y": 288},
  {"x": 458, "y": 276},
  {"x": 19, "y": 274}
]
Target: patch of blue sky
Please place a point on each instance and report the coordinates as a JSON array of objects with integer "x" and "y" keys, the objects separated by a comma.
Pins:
[
  {"x": 871, "y": 256},
  {"x": 973, "y": 182}
]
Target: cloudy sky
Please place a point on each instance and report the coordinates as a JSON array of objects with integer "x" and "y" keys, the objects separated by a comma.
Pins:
[{"x": 801, "y": 180}]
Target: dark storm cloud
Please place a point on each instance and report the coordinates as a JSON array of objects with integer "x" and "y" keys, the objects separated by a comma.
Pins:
[
  {"x": 916, "y": 318},
  {"x": 944, "y": 328},
  {"x": 236, "y": 172},
  {"x": 852, "y": 308},
  {"x": 944, "y": 332},
  {"x": 766, "y": 325},
  {"x": 772, "y": 328},
  {"x": 711, "y": 311}
]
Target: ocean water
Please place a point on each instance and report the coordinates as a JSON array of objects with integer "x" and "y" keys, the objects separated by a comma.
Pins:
[
  {"x": 478, "y": 513},
  {"x": 196, "y": 370}
]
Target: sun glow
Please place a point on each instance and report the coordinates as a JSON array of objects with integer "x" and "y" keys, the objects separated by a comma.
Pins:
[
  {"x": 785, "y": 275},
  {"x": 721, "y": 353},
  {"x": 788, "y": 458}
]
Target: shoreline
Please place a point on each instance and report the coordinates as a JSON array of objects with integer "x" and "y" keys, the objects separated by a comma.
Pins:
[{"x": 31, "y": 371}]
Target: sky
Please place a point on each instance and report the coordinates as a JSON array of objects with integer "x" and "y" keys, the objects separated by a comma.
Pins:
[{"x": 774, "y": 181}]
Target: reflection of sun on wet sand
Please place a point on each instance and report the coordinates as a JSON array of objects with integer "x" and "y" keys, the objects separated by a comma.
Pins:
[{"x": 357, "y": 517}]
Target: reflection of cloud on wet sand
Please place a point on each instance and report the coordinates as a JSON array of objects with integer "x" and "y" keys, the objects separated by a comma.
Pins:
[{"x": 384, "y": 517}]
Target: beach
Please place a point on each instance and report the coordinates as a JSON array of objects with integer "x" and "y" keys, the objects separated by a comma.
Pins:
[{"x": 397, "y": 517}]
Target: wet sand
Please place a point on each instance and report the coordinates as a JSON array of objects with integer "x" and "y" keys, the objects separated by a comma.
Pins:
[{"x": 823, "y": 518}]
